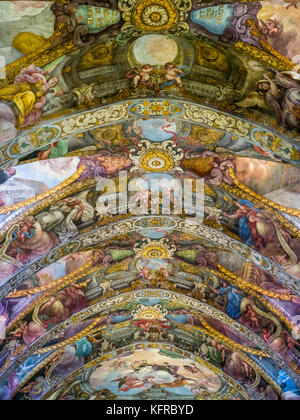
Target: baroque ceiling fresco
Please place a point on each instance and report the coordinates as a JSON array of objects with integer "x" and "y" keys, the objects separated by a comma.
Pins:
[{"x": 149, "y": 304}]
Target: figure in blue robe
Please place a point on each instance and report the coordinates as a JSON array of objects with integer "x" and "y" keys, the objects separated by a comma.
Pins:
[
  {"x": 290, "y": 391},
  {"x": 234, "y": 297}
]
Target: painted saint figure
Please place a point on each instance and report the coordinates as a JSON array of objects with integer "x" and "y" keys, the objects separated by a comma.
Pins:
[{"x": 27, "y": 94}]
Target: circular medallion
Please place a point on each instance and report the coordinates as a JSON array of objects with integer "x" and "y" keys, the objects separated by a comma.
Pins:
[
  {"x": 210, "y": 53},
  {"x": 154, "y": 252},
  {"x": 156, "y": 161},
  {"x": 157, "y": 15},
  {"x": 145, "y": 51},
  {"x": 100, "y": 52},
  {"x": 109, "y": 134}
]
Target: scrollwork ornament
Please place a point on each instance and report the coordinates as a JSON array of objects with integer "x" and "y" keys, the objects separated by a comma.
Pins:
[
  {"x": 144, "y": 16},
  {"x": 156, "y": 157}
]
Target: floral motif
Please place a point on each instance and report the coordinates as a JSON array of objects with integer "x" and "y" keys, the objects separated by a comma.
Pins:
[{"x": 155, "y": 16}]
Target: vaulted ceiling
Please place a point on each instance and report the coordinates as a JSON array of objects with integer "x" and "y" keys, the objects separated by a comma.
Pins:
[{"x": 110, "y": 288}]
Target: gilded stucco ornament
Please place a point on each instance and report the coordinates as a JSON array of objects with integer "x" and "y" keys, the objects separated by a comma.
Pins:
[
  {"x": 149, "y": 312},
  {"x": 153, "y": 250},
  {"x": 98, "y": 235},
  {"x": 157, "y": 157},
  {"x": 123, "y": 299},
  {"x": 27, "y": 142},
  {"x": 142, "y": 16}
]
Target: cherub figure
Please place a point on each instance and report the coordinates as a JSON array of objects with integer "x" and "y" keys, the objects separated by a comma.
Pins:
[
  {"x": 172, "y": 73},
  {"x": 271, "y": 28},
  {"x": 141, "y": 77},
  {"x": 144, "y": 273}
]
